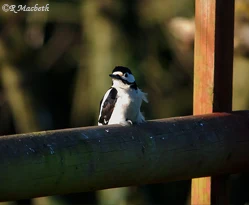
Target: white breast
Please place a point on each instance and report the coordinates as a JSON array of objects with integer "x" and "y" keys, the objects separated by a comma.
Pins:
[{"x": 128, "y": 106}]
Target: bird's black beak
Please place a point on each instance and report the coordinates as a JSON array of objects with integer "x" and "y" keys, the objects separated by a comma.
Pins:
[{"x": 115, "y": 76}]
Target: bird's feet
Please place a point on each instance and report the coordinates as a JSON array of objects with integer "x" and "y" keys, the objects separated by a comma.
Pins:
[{"x": 126, "y": 123}]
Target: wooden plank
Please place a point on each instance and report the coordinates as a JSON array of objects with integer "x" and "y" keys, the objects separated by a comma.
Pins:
[
  {"x": 213, "y": 70},
  {"x": 94, "y": 158}
]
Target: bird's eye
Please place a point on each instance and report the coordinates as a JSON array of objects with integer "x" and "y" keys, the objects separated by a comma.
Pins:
[{"x": 126, "y": 75}]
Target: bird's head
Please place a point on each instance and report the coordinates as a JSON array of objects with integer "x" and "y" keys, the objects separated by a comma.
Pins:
[{"x": 122, "y": 76}]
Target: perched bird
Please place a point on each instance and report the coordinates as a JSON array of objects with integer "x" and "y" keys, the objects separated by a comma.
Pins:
[{"x": 121, "y": 103}]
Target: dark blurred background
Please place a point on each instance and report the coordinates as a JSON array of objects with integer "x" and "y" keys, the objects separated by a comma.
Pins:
[{"x": 54, "y": 70}]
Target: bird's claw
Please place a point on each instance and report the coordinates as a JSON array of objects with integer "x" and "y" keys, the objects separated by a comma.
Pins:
[{"x": 126, "y": 123}]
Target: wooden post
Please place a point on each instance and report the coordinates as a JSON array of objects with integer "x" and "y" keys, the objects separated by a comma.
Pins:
[{"x": 213, "y": 70}]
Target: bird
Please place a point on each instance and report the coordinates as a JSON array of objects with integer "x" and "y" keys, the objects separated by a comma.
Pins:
[{"x": 121, "y": 103}]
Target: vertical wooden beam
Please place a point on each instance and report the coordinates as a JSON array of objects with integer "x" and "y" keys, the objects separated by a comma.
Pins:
[{"x": 213, "y": 71}]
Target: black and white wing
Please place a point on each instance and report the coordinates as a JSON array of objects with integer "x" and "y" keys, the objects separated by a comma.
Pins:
[{"x": 107, "y": 105}]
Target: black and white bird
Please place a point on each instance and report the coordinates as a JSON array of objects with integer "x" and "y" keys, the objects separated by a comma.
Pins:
[{"x": 121, "y": 103}]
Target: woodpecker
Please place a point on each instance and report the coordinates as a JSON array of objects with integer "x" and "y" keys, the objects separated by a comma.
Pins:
[{"x": 121, "y": 103}]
